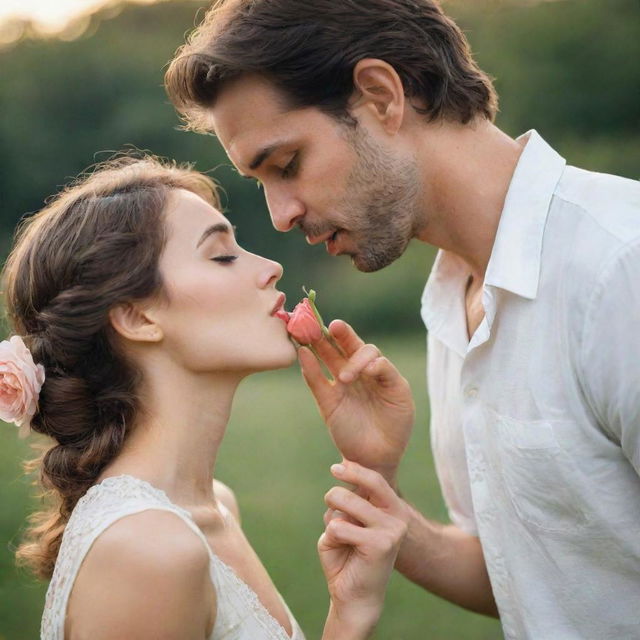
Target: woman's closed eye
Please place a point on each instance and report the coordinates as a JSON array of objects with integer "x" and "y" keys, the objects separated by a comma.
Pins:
[{"x": 225, "y": 259}]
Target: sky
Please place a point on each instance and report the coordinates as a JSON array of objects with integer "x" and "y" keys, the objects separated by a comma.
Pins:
[{"x": 51, "y": 15}]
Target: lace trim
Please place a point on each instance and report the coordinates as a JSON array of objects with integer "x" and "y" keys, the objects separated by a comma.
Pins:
[
  {"x": 81, "y": 530},
  {"x": 253, "y": 603}
]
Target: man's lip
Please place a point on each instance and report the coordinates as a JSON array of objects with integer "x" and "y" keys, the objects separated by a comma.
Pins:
[
  {"x": 331, "y": 243},
  {"x": 279, "y": 304},
  {"x": 318, "y": 239}
]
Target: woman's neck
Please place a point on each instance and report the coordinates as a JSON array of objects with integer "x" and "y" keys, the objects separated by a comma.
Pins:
[{"x": 175, "y": 439}]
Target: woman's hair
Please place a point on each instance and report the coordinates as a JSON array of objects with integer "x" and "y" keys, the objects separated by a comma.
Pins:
[
  {"x": 308, "y": 50},
  {"x": 95, "y": 245}
]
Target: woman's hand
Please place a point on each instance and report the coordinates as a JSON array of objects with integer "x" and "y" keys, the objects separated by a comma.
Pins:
[
  {"x": 363, "y": 533},
  {"x": 367, "y": 406}
]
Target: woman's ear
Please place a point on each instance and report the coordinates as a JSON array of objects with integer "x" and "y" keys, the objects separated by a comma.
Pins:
[
  {"x": 131, "y": 321},
  {"x": 378, "y": 88}
]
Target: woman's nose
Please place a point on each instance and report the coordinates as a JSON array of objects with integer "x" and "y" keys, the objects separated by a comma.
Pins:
[{"x": 271, "y": 273}]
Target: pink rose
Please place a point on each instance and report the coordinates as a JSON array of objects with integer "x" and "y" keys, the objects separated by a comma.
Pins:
[
  {"x": 303, "y": 324},
  {"x": 20, "y": 383}
]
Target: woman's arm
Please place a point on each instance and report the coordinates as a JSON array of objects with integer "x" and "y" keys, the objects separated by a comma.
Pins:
[
  {"x": 145, "y": 577},
  {"x": 367, "y": 405}
]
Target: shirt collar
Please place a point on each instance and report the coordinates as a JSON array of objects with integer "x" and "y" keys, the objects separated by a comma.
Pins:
[
  {"x": 515, "y": 259},
  {"x": 442, "y": 308}
]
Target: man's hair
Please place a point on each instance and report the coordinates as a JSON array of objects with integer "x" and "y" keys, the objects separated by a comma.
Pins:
[{"x": 308, "y": 50}]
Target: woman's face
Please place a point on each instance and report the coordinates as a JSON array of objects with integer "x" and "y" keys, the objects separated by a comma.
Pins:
[{"x": 221, "y": 299}]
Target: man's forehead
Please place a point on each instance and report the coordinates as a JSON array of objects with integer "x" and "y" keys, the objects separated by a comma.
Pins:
[{"x": 248, "y": 104}]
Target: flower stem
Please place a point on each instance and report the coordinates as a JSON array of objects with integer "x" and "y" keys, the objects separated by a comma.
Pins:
[{"x": 311, "y": 295}]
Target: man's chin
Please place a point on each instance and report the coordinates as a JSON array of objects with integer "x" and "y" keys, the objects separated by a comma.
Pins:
[{"x": 369, "y": 264}]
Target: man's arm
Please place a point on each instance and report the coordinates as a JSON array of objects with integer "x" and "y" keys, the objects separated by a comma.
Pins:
[
  {"x": 448, "y": 562},
  {"x": 609, "y": 364},
  {"x": 369, "y": 411}
]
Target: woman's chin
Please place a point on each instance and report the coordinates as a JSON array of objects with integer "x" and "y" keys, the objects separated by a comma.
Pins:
[
  {"x": 289, "y": 356},
  {"x": 281, "y": 359}
]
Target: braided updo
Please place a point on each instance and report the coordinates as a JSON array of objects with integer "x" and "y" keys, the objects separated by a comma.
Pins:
[{"x": 97, "y": 244}]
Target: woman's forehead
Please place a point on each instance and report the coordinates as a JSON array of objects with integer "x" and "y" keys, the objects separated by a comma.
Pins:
[{"x": 187, "y": 212}]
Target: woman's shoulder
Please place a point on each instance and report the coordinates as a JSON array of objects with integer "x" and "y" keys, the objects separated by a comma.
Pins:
[
  {"x": 148, "y": 566},
  {"x": 147, "y": 545},
  {"x": 227, "y": 497},
  {"x": 153, "y": 535}
]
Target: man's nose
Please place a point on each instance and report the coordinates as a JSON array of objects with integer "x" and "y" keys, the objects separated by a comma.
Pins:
[{"x": 285, "y": 210}]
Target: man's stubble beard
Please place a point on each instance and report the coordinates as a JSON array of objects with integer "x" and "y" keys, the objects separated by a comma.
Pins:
[{"x": 381, "y": 203}]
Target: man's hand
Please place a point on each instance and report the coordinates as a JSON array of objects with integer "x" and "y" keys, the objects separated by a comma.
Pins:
[
  {"x": 367, "y": 406},
  {"x": 363, "y": 533}
]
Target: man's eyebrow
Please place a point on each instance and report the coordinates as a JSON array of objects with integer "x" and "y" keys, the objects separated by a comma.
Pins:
[
  {"x": 261, "y": 156},
  {"x": 264, "y": 153},
  {"x": 221, "y": 227}
]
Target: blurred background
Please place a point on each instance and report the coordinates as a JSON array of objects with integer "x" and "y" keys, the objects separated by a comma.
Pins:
[{"x": 80, "y": 79}]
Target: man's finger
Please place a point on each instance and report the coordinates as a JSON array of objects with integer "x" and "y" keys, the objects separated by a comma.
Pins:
[
  {"x": 358, "y": 509},
  {"x": 375, "y": 486}
]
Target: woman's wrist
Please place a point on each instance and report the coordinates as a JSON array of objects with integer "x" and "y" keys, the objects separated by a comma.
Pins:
[{"x": 350, "y": 623}]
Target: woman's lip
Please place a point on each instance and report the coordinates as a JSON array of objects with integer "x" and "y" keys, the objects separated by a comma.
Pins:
[{"x": 279, "y": 306}]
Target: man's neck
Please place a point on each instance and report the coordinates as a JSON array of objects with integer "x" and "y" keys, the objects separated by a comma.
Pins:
[{"x": 467, "y": 170}]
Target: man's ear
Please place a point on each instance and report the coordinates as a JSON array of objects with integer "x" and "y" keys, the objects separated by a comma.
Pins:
[
  {"x": 378, "y": 88},
  {"x": 132, "y": 322}
]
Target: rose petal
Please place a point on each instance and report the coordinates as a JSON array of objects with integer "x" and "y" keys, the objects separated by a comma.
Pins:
[
  {"x": 303, "y": 324},
  {"x": 20, "y": 383}
]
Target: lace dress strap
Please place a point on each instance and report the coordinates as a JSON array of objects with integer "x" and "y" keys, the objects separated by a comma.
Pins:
[
  {"x": 239, "y": 616},
  {"x": 103, "y": 505}
]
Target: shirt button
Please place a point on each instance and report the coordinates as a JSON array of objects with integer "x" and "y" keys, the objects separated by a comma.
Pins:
[{"x": 471, "y": 392}]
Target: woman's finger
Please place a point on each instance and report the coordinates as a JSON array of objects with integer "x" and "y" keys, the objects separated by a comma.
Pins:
[
  {"x": 384, "y": 372},
  {"x": 314, "y": 376},
  {"x": 346, "y": 338},
  {"x": 348, "y": 343},
  {"x": 361, "y": 359},
  {"x": 333, "y": 359}
]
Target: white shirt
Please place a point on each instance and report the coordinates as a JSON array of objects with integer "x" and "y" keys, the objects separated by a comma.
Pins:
[{"x": 535, "y": 422}]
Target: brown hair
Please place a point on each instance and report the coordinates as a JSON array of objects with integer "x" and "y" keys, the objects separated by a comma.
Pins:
[
  {"x": 97, "y": 244},
  {"x": 309, "y": 50}
]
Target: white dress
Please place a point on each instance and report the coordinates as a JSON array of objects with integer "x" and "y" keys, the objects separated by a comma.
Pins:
[{"x": 240, "y": 614}]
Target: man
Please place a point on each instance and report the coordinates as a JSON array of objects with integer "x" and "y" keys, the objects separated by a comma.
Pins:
[{"x": 369, "y": 124}]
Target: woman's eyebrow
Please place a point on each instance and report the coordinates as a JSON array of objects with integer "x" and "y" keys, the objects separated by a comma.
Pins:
[{"x": 220, "y": 227}]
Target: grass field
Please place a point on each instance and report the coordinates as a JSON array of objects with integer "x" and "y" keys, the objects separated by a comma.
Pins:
[{"x": 276, "y": 457}]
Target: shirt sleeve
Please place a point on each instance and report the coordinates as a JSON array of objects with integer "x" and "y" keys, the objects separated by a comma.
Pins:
[{"x": 610, "y": 351}]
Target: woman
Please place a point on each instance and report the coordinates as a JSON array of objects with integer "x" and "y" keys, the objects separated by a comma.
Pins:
[{"x": 142, "y": 315}]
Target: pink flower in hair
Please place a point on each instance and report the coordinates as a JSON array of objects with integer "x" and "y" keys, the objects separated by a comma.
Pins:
[{"x": 20, "y": 383}]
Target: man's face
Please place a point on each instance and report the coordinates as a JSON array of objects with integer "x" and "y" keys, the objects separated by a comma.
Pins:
[{"x": 333, "y": 180}]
